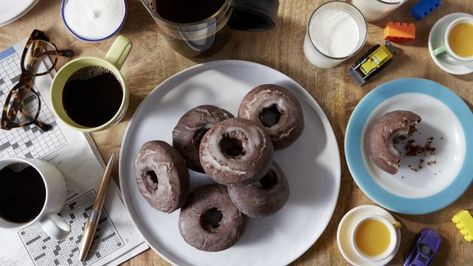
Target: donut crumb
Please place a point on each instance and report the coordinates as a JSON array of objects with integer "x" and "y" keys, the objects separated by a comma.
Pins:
[
  {"x": 210, "y": 219},
  {"x": 422, "y": 152}
]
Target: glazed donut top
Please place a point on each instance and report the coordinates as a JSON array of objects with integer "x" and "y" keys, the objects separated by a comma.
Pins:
[
  {"x": 390, "y": 126},
  {"x": 199, "y": 119},
  {"x": 191, "y": 128},
  {"x": 235, "y": 143},
  {"x": 162, "y": 174},
  {"x": 277, "y": 109}
]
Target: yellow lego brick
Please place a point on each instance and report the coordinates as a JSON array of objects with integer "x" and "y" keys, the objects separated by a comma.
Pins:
[{"x": 464, "y": 223}]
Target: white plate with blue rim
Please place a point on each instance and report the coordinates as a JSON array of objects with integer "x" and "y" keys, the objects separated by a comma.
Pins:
[
  {"x": 311, "y": 164},
  {"x": 443, "y": 176},
  {"x": 13, "y": 10}
]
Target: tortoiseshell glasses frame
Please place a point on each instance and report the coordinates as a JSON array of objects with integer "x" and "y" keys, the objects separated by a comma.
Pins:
[{"x": 15, "y": 113}]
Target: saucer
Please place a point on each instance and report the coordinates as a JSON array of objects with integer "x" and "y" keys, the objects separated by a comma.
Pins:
[
  {"x": 445, "y": 62},
  {"x": 348, "y": 224}
]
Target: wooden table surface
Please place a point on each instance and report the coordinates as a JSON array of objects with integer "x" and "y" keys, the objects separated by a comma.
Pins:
[{"x": 152, "y": 61}]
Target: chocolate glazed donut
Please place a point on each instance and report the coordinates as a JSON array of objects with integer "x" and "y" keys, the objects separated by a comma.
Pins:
[
  {"x": 277, "y": 110},
  {"x": 380, "y": 146},
  {"x": 209, "y": 221},
  {"x": 190, "y": 129},
  {"x": 162, "y": 176},
  {"x": 236, "y": 151},
  {"x": 265, "y": 197}
]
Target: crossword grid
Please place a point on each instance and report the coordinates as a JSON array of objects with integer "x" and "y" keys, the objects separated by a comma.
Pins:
[
  {"x": 46, "y": 251},
  {"x": 30, "y": 141}
]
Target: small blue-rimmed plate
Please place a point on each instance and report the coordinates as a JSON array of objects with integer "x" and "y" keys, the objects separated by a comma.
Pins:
[{"x": 419, "y": 187}]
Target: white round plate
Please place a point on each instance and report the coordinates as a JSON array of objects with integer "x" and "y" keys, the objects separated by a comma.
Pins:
[
  {"x": 347, "y": 226},
  {"x": 13, "y": 10},
  {"x": 436, "y": 38},
  {"x": 312, "y": 165}
]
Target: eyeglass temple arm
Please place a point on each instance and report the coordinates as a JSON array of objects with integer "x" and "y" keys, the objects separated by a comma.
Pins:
[{"x": 65, "y": 53}]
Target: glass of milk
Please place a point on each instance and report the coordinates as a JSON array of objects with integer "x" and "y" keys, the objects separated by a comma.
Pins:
[
  {"x": 374, "y": 10},
  {"x": 336, "y": 31}
]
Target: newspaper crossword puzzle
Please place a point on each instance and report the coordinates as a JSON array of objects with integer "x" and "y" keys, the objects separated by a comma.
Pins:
[
  {"x": 44, "y": 250},
  {"x": 29, "y": 141}
]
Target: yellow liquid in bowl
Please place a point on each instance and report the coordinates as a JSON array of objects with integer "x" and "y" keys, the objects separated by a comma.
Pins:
[
  {"x": 460, "y": 39},
  {"x": 372, "y": 238}
]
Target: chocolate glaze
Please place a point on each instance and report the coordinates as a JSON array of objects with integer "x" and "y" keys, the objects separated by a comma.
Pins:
[
  {"x": 265, "y": 197},
  {"x": 209, "y": 221},
  {"x": 236, "y": 151},
  {"x": 190, "y": 129},
  {"x": 380, "y": 146},
  {"x": 277, "y": 110},
  {"x": 162, "y": 176}
]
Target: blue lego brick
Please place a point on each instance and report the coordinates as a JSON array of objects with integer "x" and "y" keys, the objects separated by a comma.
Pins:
[{"x": 424, "y": 7}]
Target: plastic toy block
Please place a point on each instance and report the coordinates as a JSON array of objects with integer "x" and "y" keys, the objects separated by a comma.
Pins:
[
  {"x": 399, "y": 32},
  {"x": 424, "y": 7},
  {"x": 464, "y": 223}
]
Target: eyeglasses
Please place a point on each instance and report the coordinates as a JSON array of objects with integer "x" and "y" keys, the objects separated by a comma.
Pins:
[{"x": 23, "y": 104}]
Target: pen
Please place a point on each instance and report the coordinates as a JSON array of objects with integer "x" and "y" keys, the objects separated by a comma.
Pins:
[{"x": 92, "y": 222}]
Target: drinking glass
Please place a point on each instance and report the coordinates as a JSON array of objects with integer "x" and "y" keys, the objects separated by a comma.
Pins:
[
  {"x": 312, "y": 50},
  {"x": 374, "y": 10}
]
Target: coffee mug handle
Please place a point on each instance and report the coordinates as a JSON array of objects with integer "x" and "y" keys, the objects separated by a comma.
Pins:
[
  {"x": 441, "y": 50},
  {"x": 55, "y": 226},
  {"x": 119, "y": 51}
]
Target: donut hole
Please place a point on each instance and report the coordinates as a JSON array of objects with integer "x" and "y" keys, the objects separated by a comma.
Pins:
[
  {"x": 198, "y": 135},
  {"x": 151, "y": 180},
  {"x": 231, "y": 146},
  {"x": 268, "y": 181},
  {"x": 210, "y": 219},
  {"x": 270, "y": 116}
]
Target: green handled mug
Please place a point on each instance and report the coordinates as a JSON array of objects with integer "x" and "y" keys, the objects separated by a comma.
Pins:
[
  {"x": 446, "y": 46},
  {"x": 113, "y": 61}
]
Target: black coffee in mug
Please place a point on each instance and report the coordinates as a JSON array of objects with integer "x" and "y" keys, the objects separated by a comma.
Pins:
[
  {"x": 194, "y": 28},
  {"x": 92, "y": 96},
  {"x": 22, "y": 193}
]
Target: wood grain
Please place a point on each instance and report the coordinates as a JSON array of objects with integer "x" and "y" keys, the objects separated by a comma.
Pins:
[{"x": 152, "y": 61}]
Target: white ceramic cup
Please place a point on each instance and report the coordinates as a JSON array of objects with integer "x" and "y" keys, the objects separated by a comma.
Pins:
[
  {"x": 445, "y": 47},
  {"x": 55, "y": 185},
  {"x": 374, "y": 10},
  {"x": 392, "y": 232},
  {"x": 313, "y": 52}
]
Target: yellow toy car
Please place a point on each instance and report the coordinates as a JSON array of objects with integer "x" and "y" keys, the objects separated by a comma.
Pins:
[
  {"x": 464, "y": 222},
  {"x": 377, "y": 58}
]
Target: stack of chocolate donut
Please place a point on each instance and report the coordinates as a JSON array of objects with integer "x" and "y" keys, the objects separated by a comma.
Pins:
[{"x": 237, "y": 153}]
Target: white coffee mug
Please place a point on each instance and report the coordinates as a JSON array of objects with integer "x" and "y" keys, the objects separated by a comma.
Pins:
[
  {"x": 446, "y": 48},
  {"x": 55, "y": 198},
  {"x": 393, "y": 237}
]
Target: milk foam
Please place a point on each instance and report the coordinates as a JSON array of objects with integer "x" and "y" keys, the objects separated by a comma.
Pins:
[
  {"x": 335, "y": 33},
  {"x": 94, "y": 19}
]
